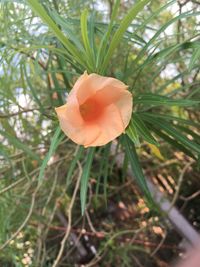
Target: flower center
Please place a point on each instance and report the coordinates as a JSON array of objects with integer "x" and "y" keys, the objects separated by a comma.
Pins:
[{"x": 91, "y": 109}]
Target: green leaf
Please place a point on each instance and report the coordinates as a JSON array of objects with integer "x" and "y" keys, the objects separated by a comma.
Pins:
[
  {"x": 195, "y": 57},
  {"x": 4, "y": 154},
  {"x": 32, "y": 89},
  {"x": 172, "y": 80},
  {"x": 67, "y": 28},
  {"x": 91, "y": 32},
  {"x": 159, "y": 100},
  {"x": 54, "y": 144},
  {"x": 132, "y": 133},
  {"x": 73, "y": 164},
  {"x": 105, "y": 40},
  {"x": 171, "y": 118},
  {"x": 85, "y": 178},
  {"x": 177, "y": 135},
  {"x": 104, "y": 168},
  {"x": 40, "y": 11},
  {"x": 136, "y": 168},
  {"x": 161, "y": 30},
  {"x": 155, "y": 14},
  {"x": 86, "y": 42},
  {"x": 172, "y": 142},
  {"x": 142, "y": 130},
  {"x": 190, "y": 132},
  {"x": 121, "y": 30},
  {"x": 164, "y": 53},
  {"x": 20, "y": 145}
]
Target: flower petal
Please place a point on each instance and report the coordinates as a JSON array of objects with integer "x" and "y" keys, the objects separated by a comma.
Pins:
[
  {"x": 76, "y": 87},
  {"x": 74, "y": 127},
  {"x": 79, "y": 118},
  {"x": 93, "y": 83},
  {"x": 124, "y": 105},
  {"x": 84, "y": 90},
  {"x": 111, "y": 122},
  {"x": 71, "y": 114},
  {"x": 107, "y": 96},
  {"x": 99, "y": 82},
  {"x": 83, "y": 135},
  {"x": 111, "y": 126}
]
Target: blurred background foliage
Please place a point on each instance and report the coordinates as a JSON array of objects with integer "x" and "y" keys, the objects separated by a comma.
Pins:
[{"x": 152, "y": 46}]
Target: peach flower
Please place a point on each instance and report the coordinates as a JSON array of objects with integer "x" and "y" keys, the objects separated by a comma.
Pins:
[{"x": 98, "y": 110}]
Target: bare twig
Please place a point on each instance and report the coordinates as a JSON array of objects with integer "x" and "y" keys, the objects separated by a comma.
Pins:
[
  {"x": 194, "y": 195},
  {"x": 56, "y": 262},
  {"x": 99, "y": 255},
  {"x": 159, "y": 245},
  {"x": 180, "y": 180},
  {"x": 24, "y": 222},
  {"x": 40, "y": 226},
  {"x": 12, "y": 185},
  {"x": 137, "y": 261},
  {"x": 195, "y": 2},
  {"x": 99, "y": 235},
  {"x": 90, "y": 222},
  {"x": 5, "y": 116}
]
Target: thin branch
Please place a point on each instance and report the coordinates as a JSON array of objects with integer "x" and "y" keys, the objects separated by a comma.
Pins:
[
  {"x": 24, "y": 222},
  {"x": 12, "y": 185},
  {"x": 90, "y": 222},
  {"x": 194, "y": 195},
  {"x": 5, "y": 116},
  {"x": 56, "y": 262},
  {"x": 159, "y": 245},
  {"x": 195, "y": 2},
  {"x": 180, "y": 180},
  {"x": 100, "y": 254},
  {"x": 41, "y": 232},
  {"x": 42, "y": 65}
]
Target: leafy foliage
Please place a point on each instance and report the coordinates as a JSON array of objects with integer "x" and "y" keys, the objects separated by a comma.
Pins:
[{"x": 44, "y": 47}]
